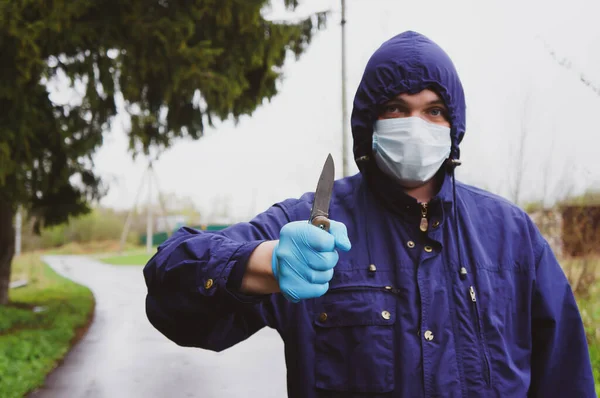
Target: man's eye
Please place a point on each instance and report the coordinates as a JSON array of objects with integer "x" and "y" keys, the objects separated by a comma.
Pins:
[
  {"x": 436, "y": 112},
  {"x": 391, "y": 109}
]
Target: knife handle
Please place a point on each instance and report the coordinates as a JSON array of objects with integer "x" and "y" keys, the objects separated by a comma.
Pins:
[{"x": 321, "y": 222}]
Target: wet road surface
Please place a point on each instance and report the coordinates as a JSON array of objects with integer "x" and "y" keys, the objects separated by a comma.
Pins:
[{"x": 123, "y": 356}]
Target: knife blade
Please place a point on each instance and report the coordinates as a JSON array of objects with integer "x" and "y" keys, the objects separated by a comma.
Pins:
[{"x": 319, "y": 214}]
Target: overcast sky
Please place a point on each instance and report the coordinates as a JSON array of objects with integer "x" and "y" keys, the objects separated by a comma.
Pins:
[{"x": 510, "y": 80}]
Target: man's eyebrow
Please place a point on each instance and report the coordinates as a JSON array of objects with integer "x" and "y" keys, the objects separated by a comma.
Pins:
[
  {"x": 437, "y": 102},
  {"x": 396, "y": 101},
  {"x": 400, "y": 101}
]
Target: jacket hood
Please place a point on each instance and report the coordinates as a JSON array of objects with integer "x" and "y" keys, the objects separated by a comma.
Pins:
[{"x": 407, "y": 63}]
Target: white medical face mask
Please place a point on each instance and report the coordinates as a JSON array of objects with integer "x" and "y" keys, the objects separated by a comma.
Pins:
[{"x": 410, "y": 149}]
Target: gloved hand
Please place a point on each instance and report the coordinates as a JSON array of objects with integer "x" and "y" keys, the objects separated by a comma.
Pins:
[{"x": 304, "y": 258}]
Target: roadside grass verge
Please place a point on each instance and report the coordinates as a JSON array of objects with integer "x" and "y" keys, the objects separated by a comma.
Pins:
[
  {"x": 107, "y": 251},
  {"x": 135, "y": 257},
  {"x": 39, "y": 326}
]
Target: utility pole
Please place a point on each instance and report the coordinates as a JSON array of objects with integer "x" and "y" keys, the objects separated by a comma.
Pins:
[
  {"x": 149, "y": 220},
  {"x": 149, "y": 174},
  {"x": 344, "y": 105}
]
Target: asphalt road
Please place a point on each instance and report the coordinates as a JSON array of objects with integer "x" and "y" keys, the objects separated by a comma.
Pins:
[{"x": 123, "y": 356}]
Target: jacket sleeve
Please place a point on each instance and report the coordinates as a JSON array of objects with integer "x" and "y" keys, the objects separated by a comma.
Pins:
[
  {"x": 189, "y": 299},
  {"x": 560, "y": 363}
]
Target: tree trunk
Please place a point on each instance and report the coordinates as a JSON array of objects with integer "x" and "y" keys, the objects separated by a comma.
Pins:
[{"x": 7, "y": 247}]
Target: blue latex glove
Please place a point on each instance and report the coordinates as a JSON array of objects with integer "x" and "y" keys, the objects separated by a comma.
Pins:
[{"x": 305, "y": 256}]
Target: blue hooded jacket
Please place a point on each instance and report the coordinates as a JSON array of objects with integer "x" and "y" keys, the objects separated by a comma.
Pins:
[{"x": 477, "y": 306}]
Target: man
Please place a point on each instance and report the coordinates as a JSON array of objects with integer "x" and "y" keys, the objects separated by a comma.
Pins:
[{"x": 423, "y": 286}]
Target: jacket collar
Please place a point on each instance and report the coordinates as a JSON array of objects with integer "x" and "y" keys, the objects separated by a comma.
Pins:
[{"x": 392, "y": 197}]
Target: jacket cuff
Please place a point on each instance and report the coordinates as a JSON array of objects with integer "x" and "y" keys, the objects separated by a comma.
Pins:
[
  {"x": 234, "y": 271},
  {"x": 240, "y": 263}
]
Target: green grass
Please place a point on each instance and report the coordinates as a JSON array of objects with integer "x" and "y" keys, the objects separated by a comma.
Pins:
[
  {"x": 32, "y": 343},
  {"x": 132, "y": 258},
  {"x": 107, "y": 252},
  {"x": 590, "y": 311},
  {"x": 595, "y": 356},
  {"x": 588, "y": 300},
  {"x": 94, "y": 248}
]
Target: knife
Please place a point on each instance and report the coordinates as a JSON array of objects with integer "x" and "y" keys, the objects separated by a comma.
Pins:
[{"x": 319, "y": 214}]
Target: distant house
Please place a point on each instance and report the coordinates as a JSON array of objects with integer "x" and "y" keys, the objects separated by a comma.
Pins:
[
  {"x": 165, "y": 226},
  {"x": 572, "y": 230},
  {"x": 550, "y": 224},
  {"x": 581, "y": 230}
]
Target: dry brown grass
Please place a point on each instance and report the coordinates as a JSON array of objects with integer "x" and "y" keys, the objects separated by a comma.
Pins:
[{"x": 583, "y": 274}]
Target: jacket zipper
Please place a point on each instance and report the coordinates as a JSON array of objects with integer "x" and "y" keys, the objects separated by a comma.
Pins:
[
  {"x": 424, "y": 223},
  {"x": 486, "y": 362}
]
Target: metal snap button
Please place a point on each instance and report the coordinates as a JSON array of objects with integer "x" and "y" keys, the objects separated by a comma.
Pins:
[
  {"x": 410, "y": 244},
  {"x": 428, "y": 335}
]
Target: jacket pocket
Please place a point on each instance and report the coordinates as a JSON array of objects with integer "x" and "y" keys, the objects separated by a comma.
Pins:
[{"x": 354, "y": 340}]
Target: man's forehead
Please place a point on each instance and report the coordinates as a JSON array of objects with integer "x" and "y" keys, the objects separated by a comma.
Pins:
[{"x": 424, "y": 96}]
